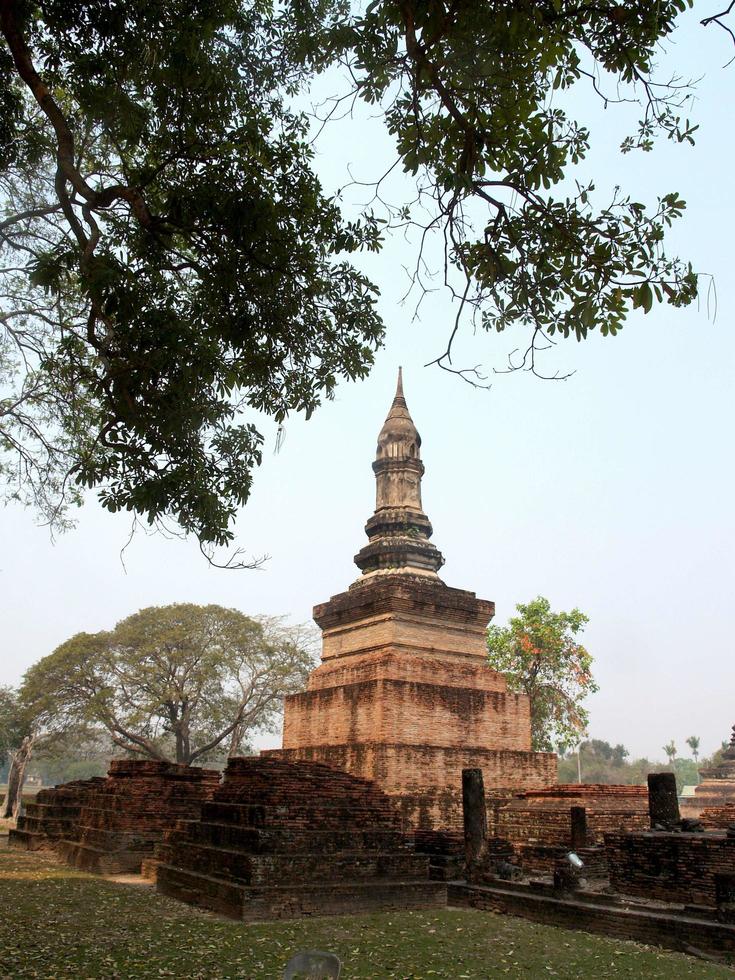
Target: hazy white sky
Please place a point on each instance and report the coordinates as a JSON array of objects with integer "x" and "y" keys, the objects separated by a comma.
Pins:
[{"x": 611, "y": 491}]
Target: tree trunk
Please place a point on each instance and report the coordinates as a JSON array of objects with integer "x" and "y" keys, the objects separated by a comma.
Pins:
[
  {"x": 16, "y": 778},
  {"x": 235, "y": 742}
]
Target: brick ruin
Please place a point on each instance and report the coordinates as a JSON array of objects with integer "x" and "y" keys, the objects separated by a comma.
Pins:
[
  {"x": 404, "y": 694},
  {"x": 713, "y": 801},
  {"x": 281, "y": 839},
  {"x": 122, "y": 821},
  {"x": 112, "y": 825},
  {"x": 53, "y": 815},
  {"x": 671, "y": 883},
  {"x": 677, "y": 867},
  {"x": 676, "y": 860},
  {"x": 542, "y": 825}
]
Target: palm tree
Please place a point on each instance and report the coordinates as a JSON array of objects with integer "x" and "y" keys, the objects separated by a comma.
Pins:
[
  {"x": 670, "y": 751},
  {"x": 693, "y": 743}
]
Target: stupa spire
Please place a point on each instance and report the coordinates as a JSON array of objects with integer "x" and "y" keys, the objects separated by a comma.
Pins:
[
  {"x": 399, "y": 386},
  {"x": 399, "y": 530}
]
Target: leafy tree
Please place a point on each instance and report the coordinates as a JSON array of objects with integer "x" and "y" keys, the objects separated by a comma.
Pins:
[
  {"x": 174, "y": 682},
  {"x": 598, "y": 748},
  {"x": 693, "y": 743},
  {"x": 686, "y": 773},
  {"x": 602, "y": 763},
  {"x": 539, "y": 654},
  {"x": 171, "y": 265},
  {"x": 469, "y": 91},
  {"x": 10, "y": 724},
  {"x": 15, "y": 747},
  {"x": 25, "y": 731}
]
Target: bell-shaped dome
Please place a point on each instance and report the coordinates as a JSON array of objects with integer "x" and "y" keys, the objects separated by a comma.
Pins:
[{"x": 399, "y": 437}]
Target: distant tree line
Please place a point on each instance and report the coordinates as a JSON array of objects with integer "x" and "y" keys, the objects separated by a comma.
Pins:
[{"x": 601, "y": 762}]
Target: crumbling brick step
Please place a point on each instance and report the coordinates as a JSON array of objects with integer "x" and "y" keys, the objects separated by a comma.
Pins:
[
  {"x": 306, "y": 817},
  {"x": 29, "y": 840},
  {"x": 50, "y": 827},
  {"x": 291, "y": 901},
  {"x": 670, "y": 928},
  {"x": 52, "y": 815},
  {"x": 266, "y": 868},
  {"x": 98, "y": 860},
  {"x": 274, "y": 840}
]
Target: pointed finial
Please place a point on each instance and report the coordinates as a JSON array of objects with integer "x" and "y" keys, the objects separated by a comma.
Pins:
[{"x": 399, "y": 400}]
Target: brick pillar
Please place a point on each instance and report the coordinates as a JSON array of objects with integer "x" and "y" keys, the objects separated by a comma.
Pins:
[
  {"x": 578, "y": 819},
  {"x": 663, "y": 802},
  {"x": 475, "y": 815}
]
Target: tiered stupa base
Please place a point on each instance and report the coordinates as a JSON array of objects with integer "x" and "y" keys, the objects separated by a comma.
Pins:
[
  {"x": 280, "y": 840},
  {"x": 120, "y": 823},
  {"x": 404, "y": 696},
  {"x": 53, "y": 815}
]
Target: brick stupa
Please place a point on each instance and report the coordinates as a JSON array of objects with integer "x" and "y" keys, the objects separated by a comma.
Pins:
[
  {"x": 404, "y": 694},
  {"x": 714, "y": 798}
]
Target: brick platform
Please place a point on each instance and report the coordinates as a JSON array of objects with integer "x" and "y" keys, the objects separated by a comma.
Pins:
[
  {"x": 53, "y": 815},
  {"x": 716, "y": 790},
  {"x": 283, "y": 840},
  {"x": 120, "y": 823},
  {"x": 671, "y": 926}
]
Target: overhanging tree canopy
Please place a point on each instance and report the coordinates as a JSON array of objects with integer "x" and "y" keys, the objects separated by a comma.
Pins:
[{"x": 170, "y": 262}]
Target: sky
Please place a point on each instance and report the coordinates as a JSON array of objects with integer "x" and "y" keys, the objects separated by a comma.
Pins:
[{"x": 610, "y": 491}]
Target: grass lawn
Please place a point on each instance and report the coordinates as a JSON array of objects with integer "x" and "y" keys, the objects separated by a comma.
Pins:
[{"x": 59, "y": 923}]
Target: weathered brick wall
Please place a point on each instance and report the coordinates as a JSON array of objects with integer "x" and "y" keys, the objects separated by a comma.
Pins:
[
  {"x": 719, "y": 817},
  {"x": 670, "y": 866},
  {"x": 428, "y": 780},
  {"x": 403, "y": 662},
  {"x": 409, "y": 713},
  {"x": 544, "y": 816},
  {"x": 716, "y": 789}
]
